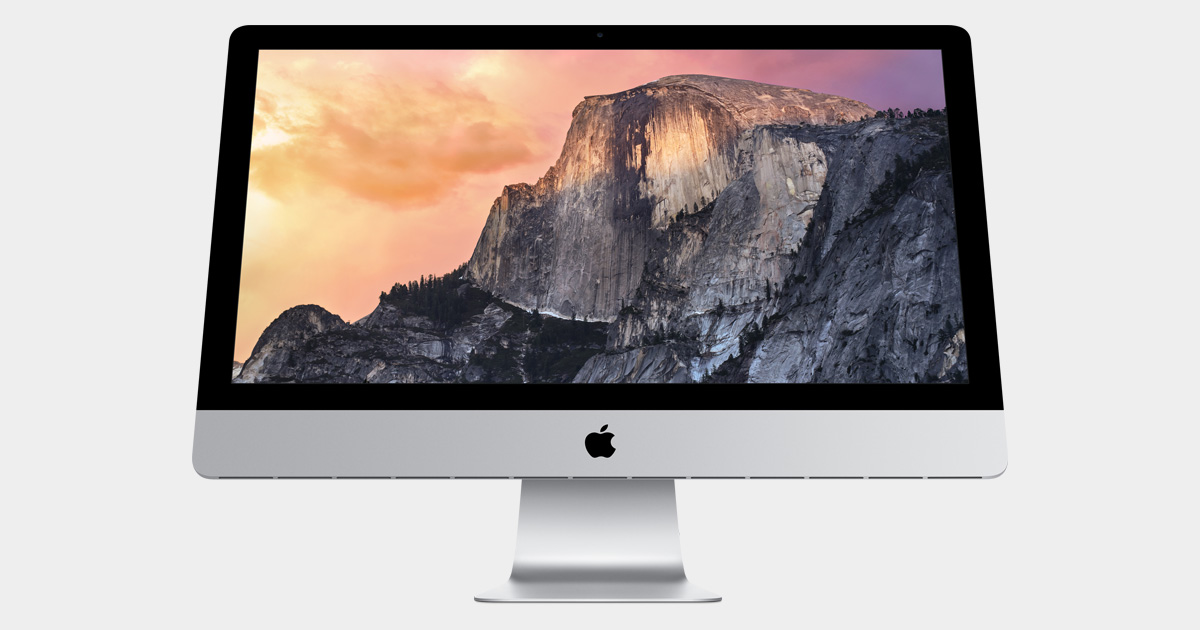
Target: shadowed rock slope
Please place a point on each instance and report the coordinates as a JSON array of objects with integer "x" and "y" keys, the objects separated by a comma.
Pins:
[
  {"x": 856, "y": 283},
  {"x": 441, "y": 330}
]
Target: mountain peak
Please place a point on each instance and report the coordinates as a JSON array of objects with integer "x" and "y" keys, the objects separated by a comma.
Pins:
[
  {"x": 707, "y": 80},
  {"x": 729, "y": 90},
  {"x": 750, "y": 103}
]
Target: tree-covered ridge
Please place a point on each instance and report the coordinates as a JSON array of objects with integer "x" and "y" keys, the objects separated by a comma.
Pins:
[
  {"x": 892, "y": 113},
  {"x": 448, "y": 300}
]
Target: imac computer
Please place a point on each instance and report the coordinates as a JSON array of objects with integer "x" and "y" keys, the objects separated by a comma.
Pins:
[{"x": 597, "y": 260}]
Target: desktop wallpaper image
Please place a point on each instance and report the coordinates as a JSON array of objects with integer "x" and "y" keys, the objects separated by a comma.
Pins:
[{"x": 681, "y": 217}]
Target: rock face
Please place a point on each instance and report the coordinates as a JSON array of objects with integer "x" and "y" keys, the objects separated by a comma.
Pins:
[
  {"x": 286, "y": 336},
  {"x": 695, "y": 229},
  {"x": 575, "y": 243}
]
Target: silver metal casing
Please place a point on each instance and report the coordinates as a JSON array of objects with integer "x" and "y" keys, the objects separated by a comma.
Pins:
[{"x": 649, "y": 444}]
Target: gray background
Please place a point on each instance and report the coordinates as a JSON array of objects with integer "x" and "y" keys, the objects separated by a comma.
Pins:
[{"x": 112, "y": 114}]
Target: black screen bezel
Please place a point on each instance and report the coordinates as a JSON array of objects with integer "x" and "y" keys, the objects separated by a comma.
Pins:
[{"x": 216, "y": 392}]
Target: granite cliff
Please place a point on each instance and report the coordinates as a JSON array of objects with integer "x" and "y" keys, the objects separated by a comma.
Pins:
[
  {"x": 694, "y": 229},
  {"x": 575, "y": 242}
]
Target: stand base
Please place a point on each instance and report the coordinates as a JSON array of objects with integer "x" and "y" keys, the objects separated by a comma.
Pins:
[
  {"x": 598, "y": 541},
  {"x": 681, "y": 591}
]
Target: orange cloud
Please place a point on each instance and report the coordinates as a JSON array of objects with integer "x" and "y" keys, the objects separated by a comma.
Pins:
[{"x": 391, "y": 139}]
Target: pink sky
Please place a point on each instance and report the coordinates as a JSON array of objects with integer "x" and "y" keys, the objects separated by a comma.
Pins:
[{"x": 375, "y": 167}]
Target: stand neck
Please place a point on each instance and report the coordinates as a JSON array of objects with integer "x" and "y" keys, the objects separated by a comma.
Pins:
[{"x": 598, "y": 540}]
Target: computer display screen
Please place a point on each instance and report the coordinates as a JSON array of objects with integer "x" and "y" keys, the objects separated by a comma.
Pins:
[{"x": 600, "y": 216}]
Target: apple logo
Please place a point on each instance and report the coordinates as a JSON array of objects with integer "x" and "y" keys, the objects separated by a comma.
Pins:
[{"x": 599, "y": 444}]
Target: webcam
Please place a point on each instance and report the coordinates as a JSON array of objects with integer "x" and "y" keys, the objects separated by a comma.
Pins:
[{"x": 599, "y": 34}]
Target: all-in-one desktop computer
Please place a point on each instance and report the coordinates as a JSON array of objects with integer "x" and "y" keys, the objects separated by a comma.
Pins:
[{"x": 598, "y": 260}]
